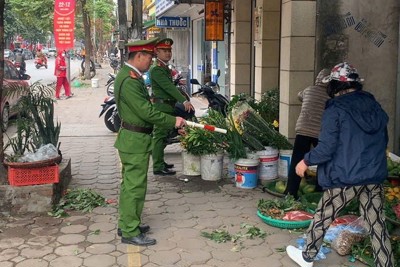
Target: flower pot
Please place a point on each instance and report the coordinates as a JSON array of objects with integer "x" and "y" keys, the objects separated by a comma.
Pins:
[
  {"x": 211, "y": 167},
  {"x": 191, "y": 164}
]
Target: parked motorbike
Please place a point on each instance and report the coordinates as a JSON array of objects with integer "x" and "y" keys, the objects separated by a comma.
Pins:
[
  {"x": 39, "y": 62},
  {"x": 114, "y": 63},
  {"x": 210, "y": 91},
  {"x": 110, "y": 111},
  {"x": 21, "y": 67},
  {"x": 110, "y": 84},
  {"x": 113, "y": 121}
]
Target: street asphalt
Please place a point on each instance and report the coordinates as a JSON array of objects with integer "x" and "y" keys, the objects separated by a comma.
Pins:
[{"x": 177, "y": 211}]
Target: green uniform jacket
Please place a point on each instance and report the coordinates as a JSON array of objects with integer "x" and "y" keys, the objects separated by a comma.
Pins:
[
  {"x": 134, "y": 107},
  {"x": 163, "y": 87}
]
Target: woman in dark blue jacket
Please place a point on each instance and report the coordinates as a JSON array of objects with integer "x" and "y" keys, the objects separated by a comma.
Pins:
[{"x": 351, "y": 159}]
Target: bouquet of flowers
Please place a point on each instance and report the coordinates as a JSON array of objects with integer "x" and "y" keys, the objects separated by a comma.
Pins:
[{"x": 255, "y": 131}]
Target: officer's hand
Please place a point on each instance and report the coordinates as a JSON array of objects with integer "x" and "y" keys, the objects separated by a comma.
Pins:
[
  {"x": 301, "y": 168},
  {"x": 188, "y": 106},
  {"x": 182, "y": 131},
  {"x": 179, "y": 122}
]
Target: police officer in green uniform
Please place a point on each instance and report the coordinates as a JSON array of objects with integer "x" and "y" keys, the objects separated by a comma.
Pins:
[
  {"x": 166, "y": 95},
  {"x": 134, "y": 140}
]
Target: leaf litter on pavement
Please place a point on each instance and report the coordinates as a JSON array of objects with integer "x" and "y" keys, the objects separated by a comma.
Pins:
[
  {"x": 223, "y": 236},
  {"x": 78, "y": 199}
]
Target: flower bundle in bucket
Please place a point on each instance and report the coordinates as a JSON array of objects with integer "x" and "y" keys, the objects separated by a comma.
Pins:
[{"x": 255, "y": 131}]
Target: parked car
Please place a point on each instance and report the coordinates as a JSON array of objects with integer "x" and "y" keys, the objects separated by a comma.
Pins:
[
  {"x": 27, "y": 54},
  {"x": 52, "y": 52},
  {"x": 8, "y": 54},
  {"x": 14, "y": 86}
]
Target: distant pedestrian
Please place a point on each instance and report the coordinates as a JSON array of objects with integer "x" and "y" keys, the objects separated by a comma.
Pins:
[
  {"x": 308, "y": 126},
  {"x": 61, "y": 73},
  {"x": 352, "y": 164}
]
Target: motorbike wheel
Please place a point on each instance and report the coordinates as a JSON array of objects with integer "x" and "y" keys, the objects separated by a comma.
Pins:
[
  {"x": 37, "y": 66},
  {"x": 110, "y": 89},
  {"x": 109, "y": 120}
]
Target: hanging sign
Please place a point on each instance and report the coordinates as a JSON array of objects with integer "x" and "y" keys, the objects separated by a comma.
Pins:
[
  {"x": 64, "y": 23},
  {"x": 173, "y": 22},
  {"x": 214, "y": 20},
  {"x": 163, "y": 6}
]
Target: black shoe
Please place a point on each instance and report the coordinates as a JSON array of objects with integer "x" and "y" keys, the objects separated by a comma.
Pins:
[
  {"x": 144, "y": 228},
  {"x": 164, "y": 172},
  {"x": 140, "y": 240},
  {"x": 168, "y": 166}
]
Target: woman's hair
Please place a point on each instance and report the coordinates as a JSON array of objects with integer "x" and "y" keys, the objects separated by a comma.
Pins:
[{"x": 335, "y": 86}]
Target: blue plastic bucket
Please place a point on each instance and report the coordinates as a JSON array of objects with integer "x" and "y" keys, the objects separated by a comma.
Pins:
[{"x": 246, "y": 173}]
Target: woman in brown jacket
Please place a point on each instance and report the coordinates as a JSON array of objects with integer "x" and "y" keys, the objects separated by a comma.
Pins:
[{"x": 308, "y": 126}]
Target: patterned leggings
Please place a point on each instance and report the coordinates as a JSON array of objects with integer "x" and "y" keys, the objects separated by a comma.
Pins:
[{"x": 371, "y": 199}]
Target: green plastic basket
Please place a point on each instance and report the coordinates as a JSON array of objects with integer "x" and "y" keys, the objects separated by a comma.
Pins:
[{"x": 282, "y": 223}]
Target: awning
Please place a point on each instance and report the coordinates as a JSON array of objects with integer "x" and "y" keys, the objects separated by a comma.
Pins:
[{"x": 149, "y": 23}]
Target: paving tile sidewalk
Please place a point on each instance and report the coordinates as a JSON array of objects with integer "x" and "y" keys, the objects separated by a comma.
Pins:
[{"x": 176, "y": 211}]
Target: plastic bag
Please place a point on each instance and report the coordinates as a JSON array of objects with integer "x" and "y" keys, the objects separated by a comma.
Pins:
[
  {"x": 345, "y": 219},
  {"x": 297, "y": 215},
  {"x": 48, "y": 151},
  {"x": 351, "y": 234}
]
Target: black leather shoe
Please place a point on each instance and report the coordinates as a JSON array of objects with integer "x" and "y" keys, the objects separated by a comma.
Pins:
[
  {"x": 140, "y": 240},
  {"x": 168, "y": 166},
  {"x": 144, "y": 228},
  {"x": 164, "y": 172}
]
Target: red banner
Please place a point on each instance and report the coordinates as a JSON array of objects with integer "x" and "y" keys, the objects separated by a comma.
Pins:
[{"x": 64, "y": 23}]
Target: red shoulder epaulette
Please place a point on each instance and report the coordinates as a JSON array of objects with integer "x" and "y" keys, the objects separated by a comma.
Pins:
[{"x": 134, "y": 75}]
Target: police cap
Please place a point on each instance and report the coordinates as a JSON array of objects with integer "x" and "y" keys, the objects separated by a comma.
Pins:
[
  {"x": 165, "y": 43},
  {"x": 142, "y": 46}
]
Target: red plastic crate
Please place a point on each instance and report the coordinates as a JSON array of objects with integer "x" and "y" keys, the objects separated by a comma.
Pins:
[{"x": 33, "y": 176}]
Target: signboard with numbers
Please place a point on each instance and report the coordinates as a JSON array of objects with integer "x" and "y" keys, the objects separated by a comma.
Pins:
[{"x": 64, "y": 23}]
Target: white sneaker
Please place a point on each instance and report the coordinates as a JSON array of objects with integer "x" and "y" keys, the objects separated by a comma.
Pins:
[{"x": 297, "y": 256}]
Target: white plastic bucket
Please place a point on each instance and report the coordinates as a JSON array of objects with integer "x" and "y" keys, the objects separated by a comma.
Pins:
[
  {"x": 231, "y": 167},
  {"x": 285, "y": 156},
  {"x": 191, "y": 164},
  {"x": 95, "y": 83},
  {"x": 268, "y": 164},
  {"x": 211, "y": 167},
  {"x": 246, "y": 173}
]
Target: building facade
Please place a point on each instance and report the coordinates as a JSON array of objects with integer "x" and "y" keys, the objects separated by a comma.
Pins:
[{"x": 285, "y": 43}]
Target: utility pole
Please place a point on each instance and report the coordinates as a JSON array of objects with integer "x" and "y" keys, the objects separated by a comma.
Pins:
[
  {"x": 123, "y": 29},
  {"x": 137, "y": 20}
]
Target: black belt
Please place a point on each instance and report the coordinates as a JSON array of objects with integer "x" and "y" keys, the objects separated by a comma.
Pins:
[
  {"x": 166, "y": 101},
  {"x": 135, "y": 128}
]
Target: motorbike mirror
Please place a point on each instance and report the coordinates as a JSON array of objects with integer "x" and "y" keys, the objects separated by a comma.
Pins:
[{"x": 194, "y": 81}]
